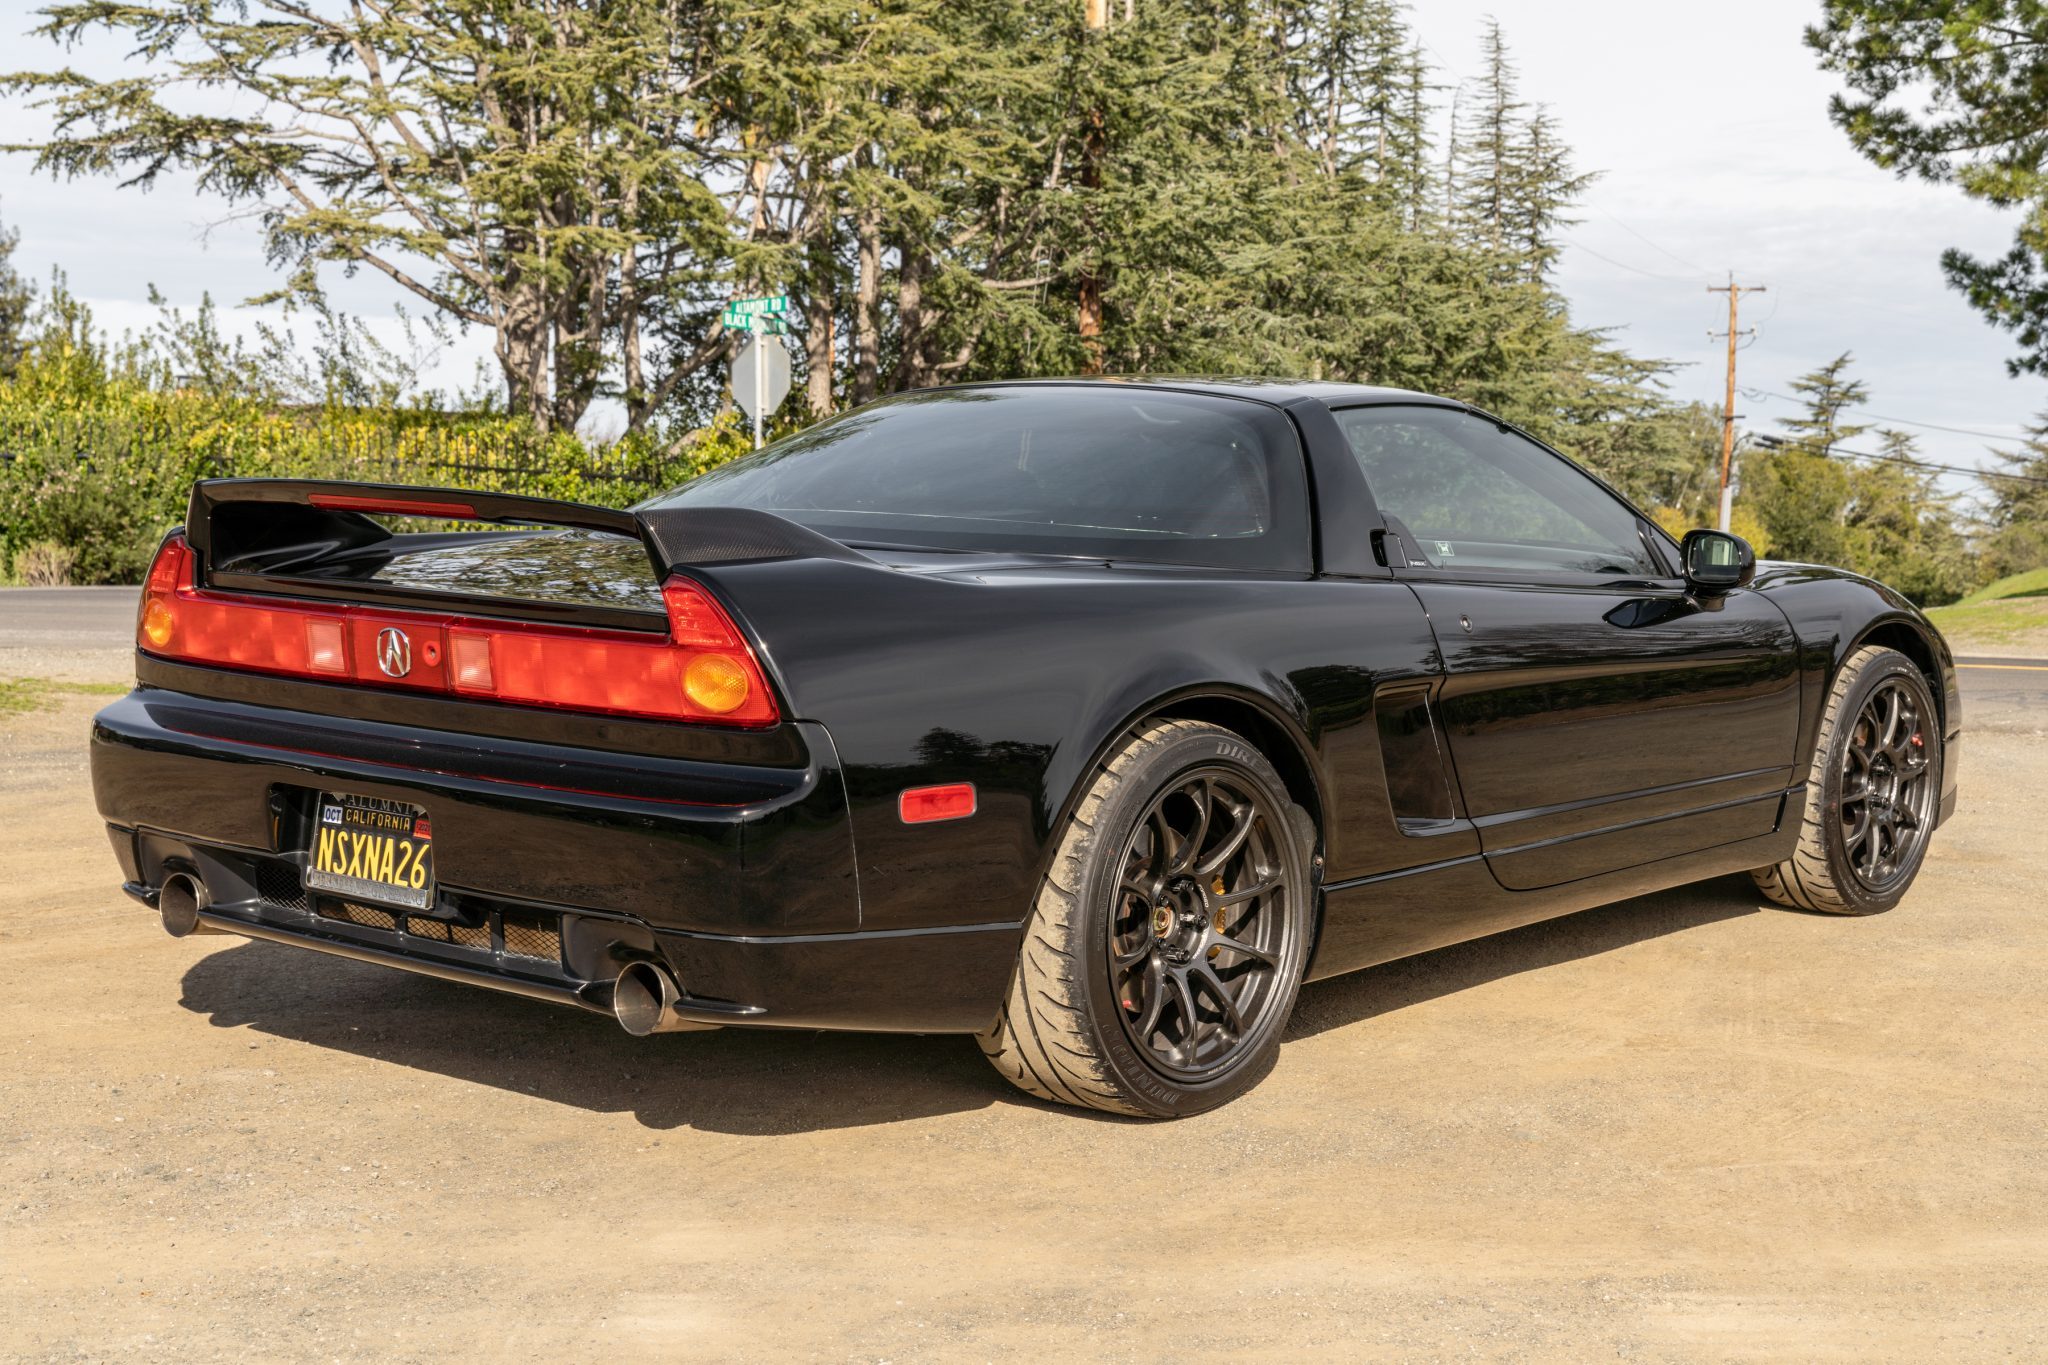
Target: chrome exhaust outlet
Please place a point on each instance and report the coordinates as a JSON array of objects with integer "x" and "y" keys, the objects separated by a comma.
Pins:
[
  {"x": 179, "y": 902},
  {"x": 644, "y": 1001}
]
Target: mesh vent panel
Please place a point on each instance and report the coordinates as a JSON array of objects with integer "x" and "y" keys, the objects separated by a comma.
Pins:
[
  {"x": 470, "y": 935},
  {"x": 278, "y": 883},
  {"x": 525, "y": 934},
  {"x": 529, "y": 936},
  {"x": 364, "y": 915}
]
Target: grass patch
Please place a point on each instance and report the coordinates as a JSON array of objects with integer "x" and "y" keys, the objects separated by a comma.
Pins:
[
  {"x": 2004, "y": 621},
  {"x": 2032, "y": 583},
  {"x": 18, "y": 696}
]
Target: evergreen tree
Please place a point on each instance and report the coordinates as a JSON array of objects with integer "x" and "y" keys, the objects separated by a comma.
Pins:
[
  {"x": 928, "y": 180},
  {"x": 1489, "y": 146},
  {"x": 1405, "y": 171},
  {"x": 17, "y": 304},
  {"x": 1514, "y": 180},
  {"x": 1543, "y": 184},
  {"x": 1828, "y": 392},
  {"x": 1903, "y": 528},
  {"x": 2016, "y": 517},
  {"x": 1952, "y": 93},
  {"x": 1802, "y": 496},
  {"x": 1886, "y": 517}
]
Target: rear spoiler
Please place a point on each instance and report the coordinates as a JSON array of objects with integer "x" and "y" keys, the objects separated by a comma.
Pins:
[{"x": 277, "y": 534}]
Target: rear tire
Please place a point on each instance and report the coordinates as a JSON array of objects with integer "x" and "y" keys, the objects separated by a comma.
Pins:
[
  {"x": 1872, "y": 793},
  {"x": 1168, "y": 940}
]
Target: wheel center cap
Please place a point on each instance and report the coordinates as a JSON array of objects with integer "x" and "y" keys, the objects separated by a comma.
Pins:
[{"x": 1177, "y": 919}]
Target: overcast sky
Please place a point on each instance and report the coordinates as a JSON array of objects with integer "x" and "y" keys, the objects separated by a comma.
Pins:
[{"x": 1707, "y": 123}]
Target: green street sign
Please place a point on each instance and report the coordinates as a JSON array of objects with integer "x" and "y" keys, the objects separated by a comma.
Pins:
[{"x": 741, "y": 312}]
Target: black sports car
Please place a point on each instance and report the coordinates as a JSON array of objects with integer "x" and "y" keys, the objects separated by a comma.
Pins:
[{"x": 1087, "y": 718}]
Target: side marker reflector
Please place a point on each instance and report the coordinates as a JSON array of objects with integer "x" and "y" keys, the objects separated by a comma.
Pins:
[{"x": 921, "y": 805}]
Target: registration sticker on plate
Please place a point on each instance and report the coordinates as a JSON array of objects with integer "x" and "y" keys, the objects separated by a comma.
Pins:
[{"x": 374, "y": 849}]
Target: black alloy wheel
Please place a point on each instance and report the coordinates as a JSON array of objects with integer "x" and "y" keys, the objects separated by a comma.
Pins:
[
  {"x": 1873, "y": 791},
  {"x": 1200, "y": 925},
  {"x": 1170, "y": 934},
  {"x": 1887, "y": 795}
]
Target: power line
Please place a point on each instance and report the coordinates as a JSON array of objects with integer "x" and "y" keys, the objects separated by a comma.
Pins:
[
  {"x": 1662, "y": 250},
  {"x": 1577, "y": 245},
  {"x": 1776, "y": 299},
  {"x": 1987, "y": 475},
  {"x": 1903, "y": 421}
]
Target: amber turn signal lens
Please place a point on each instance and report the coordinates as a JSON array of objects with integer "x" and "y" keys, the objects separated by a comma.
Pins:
[
  {"x": 157, "y": 622},
  {"x": 715, "y": 683}
]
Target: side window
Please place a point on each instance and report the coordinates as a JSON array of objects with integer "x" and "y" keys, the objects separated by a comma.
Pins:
[{"x": 1471, "y": 496}]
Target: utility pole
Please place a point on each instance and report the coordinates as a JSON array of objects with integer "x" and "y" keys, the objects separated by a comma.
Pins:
[
  {"x": 1096, "y": 13},
  {"x": 1734, "y": 292}
]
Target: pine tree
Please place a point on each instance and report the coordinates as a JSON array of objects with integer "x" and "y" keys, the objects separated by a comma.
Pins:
[
  {"x": 2016, "y": 516},
  {"x": 1542, "y": 186},
  {"x": 1483, "y": 188},
  {"x": 17, "y": 304},
  {"x": 1514, "y": 180},
  {"x": 1886, "y": 517},
  {"x": 1952, "y": 93},
  {"x": 1828, "y": 392},
  {"x": 921, "y": 176},
  {"x": 1904, "y": 527},
  {"x": 1405, "y": 172}
]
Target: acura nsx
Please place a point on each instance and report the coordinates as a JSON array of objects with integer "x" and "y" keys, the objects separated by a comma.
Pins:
[{"x": 1090, "y": 719}]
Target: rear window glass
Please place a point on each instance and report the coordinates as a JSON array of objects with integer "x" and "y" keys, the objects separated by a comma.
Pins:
[
  {"x": 575, "y": 568},
  {"x": 1095, "y": 471}
]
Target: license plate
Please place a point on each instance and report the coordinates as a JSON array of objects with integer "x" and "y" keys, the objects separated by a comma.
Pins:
[{"x": 373, "y": 849}]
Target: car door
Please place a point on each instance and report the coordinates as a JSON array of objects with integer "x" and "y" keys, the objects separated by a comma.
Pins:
[{"x": 1598, "y": 716}]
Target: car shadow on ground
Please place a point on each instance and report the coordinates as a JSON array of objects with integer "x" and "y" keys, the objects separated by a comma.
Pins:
[
  {"x": 1360, "y": 996},
  {"x": 765, "y": 1082}
]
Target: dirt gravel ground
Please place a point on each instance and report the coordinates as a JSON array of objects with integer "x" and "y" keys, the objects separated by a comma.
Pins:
[{"x": 1687, "y": 1127}]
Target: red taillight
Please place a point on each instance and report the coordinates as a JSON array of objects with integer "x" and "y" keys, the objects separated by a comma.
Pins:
[
  {"x": 921, "y": 805},
  {"x": 701, "y": 670}
]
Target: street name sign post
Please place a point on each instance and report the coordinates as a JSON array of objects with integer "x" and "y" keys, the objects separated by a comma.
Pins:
[
  {"x": 740, "y": 312},
  {"x": 760, "y": 379},
  {"x": 760, "y": 372}
]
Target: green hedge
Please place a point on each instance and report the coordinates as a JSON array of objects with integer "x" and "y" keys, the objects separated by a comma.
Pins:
[{"x": 104, "y": 469}]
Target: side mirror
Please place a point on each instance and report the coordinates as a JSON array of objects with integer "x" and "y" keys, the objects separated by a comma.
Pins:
[{"x": 1716, "y": 562}]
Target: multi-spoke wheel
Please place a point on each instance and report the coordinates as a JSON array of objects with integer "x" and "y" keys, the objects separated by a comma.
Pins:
[
  {"x": 1201, "y": 923},
  {"x": 1871, "y": 794},
  {"x": 1167, "y": 945},
  {"x": 1886, "y": 797}
]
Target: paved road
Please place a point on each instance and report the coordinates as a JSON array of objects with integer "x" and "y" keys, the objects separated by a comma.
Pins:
[
  {"x": 67, "y": 613},
  {"x": 73, "y": 634},
  {"x": 74, "y": 626},
  {"x": 1993, "y": 686}
]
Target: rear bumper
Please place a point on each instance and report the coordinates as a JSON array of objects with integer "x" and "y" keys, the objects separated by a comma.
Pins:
[{"x": 740, "y": 880}]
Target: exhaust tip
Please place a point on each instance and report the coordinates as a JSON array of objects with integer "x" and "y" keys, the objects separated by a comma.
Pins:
[
  {"x": 642, "y": 998},
  {"x": 645, "y": 1000},
  {"x": 180, "y": 902}
]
